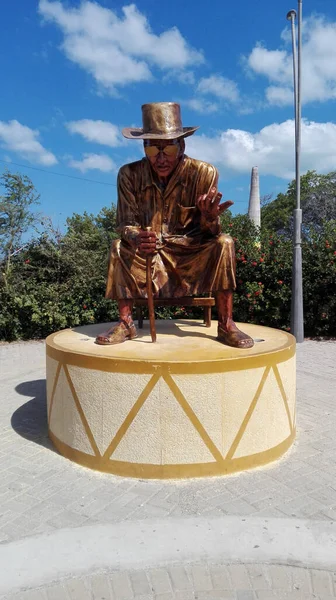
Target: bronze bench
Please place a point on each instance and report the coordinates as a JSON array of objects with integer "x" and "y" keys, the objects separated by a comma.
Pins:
[{"x": 207, "y": 303}]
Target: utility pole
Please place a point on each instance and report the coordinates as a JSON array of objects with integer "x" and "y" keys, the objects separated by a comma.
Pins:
[{"x": 297, "y": 293}]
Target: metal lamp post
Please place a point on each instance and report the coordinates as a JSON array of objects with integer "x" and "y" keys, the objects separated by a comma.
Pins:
[{"x": 297, "y": 295}]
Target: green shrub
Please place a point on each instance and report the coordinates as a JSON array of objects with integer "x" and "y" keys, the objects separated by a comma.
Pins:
[{"x": 59, "y": 281}]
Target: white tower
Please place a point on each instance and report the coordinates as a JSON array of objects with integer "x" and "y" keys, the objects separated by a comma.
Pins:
[{"x": 254, "y": 202}]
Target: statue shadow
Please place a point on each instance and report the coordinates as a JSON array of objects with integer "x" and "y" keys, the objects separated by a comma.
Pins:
[
  {"x": 182, "y": 333},
  {"x": 30, "y": 420},
  {"x": 174, "y": 329}
]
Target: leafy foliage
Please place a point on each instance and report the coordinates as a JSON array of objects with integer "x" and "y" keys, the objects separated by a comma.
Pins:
[
  {"x": 16, "y": 217},
  {"x": 318, "y": 202},
  {"x": 57, "y": 281}
]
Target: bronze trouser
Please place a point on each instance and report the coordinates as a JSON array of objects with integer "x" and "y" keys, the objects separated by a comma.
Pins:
[{"x": 182, "y": 267}]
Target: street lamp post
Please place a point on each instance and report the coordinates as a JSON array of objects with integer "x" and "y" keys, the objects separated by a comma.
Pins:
[{"x": 297, "y": 295}]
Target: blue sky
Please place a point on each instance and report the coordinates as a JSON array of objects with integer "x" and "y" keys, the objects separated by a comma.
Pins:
[{"x": 74, "y": 73}]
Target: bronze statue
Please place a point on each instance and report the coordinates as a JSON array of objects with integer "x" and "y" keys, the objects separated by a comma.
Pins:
[{"x": 169, "y": 207}]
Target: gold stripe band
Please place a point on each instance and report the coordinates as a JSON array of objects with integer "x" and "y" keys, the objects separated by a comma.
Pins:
[
  {"x": 148, "y": 471},
  {"x": 128, "y": 365}
]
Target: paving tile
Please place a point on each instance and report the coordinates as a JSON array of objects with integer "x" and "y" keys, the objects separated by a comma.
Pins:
[{"x": 40, "y": 491}]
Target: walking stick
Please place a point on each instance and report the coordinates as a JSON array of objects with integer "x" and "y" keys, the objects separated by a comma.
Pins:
[{"x": 149, "y": 286}]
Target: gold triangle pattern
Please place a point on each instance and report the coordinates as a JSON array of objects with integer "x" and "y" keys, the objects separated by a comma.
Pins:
[
  {"x": 66, "y": 423},
  {"x": 59, "y": 366},
  {"x": 219, "y": 458},
  {"x": 248, "y": 415},
  {"x": 193, "y": 418},
  {"x": 81, "y": 413},
  {"x": 132, "y": 414},
  {"x": 284, "y": 397}
]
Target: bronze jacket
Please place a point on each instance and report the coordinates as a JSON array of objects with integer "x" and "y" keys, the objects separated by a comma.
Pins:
[
  {"x": 142, "y": 202},
  {"x": 191, "y": 257}
]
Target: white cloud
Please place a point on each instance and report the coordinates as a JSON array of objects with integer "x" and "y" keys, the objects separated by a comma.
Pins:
[
  {"x": 186, "y": 77},
  {"x": 202, "y": 106},
  {"x": 24, "y": 141},
  {"x": 281, "y": 96},
  {"x": 219, "y": 86},
  {"x": 101, "y": 132},
  {"x": 318, "y": 64},
  {"x": 275, "y": 64},
  {"x": 224, "y": 90},
  {"x": 117, "y": 50},
  {"x": 99, "y": 162},
  {"x": 271, "y": 148},
  {"x": 183, "y": 76}
]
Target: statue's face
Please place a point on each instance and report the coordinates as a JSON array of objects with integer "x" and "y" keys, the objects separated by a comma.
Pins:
[{"x": 164, "y": 155}]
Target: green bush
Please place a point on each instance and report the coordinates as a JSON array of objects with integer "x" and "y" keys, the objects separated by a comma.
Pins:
[
  {"x": 59, "y": 284},
  {"x": 58, "y": 281}
]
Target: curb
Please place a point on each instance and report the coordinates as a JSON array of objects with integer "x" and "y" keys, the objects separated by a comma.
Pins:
[{"x": 37, "y": 561}]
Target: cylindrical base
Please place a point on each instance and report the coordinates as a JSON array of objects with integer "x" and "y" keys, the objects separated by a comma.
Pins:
[{"x": 187, "y": 406}]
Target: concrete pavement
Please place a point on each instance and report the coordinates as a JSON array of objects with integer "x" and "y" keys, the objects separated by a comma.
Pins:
[{"x": 43, "y": 493}]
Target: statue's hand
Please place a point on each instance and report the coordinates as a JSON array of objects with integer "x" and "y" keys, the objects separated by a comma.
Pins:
[
  {"x": 209, "y": 204},
  {"x": 146, "y": 242}
]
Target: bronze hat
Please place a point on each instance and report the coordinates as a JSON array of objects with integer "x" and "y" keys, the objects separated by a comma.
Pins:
[{"x": 161, "y": 121}]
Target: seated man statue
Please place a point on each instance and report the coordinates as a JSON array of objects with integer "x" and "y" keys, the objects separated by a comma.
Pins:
[{"x": 169, "y": 207}]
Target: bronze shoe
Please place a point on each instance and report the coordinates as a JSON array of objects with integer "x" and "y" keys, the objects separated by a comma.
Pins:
[
  {"x": 234, "y": 338},
  {"x": 119, "y": 333}
]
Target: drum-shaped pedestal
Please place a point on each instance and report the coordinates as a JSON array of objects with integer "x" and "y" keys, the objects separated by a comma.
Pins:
[{"x": 187, "y": 406}]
